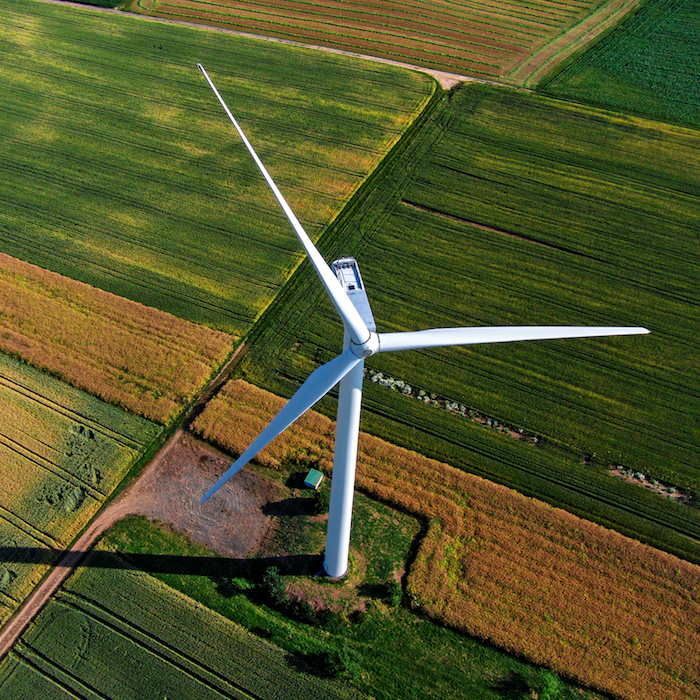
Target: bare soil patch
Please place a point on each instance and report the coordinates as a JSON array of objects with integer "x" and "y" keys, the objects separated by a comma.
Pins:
[{"x": 231, "y": 522}]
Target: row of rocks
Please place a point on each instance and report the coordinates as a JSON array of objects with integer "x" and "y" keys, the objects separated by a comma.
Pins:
[
  {"x": 432, "y": 399},
  {"x": 637, "y": 477}
]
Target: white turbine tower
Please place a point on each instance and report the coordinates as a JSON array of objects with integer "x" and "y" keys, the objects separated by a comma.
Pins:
[{"x": 346, "y": 290}]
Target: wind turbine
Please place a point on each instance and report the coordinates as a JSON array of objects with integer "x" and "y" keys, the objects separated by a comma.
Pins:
[{"x": 346, "y": 290}]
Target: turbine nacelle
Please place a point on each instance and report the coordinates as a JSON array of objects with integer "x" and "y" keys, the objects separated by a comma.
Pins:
[{"x": 347, "y": 272}]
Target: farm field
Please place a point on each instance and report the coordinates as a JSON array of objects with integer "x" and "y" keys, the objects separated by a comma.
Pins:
[
  {"x": 62, "y": 453},
  {"x": 486, "y": 40},
  {"x": 119, "y": 168},
  {"x": 535, "y": 580},
  {"x": 357, "y": 645},
  {"x": 136, "y": 357},
  {"x": 648, "y": 65},
  {"x": 110, "y": 620},
  {"x": 518, "y": 209}
]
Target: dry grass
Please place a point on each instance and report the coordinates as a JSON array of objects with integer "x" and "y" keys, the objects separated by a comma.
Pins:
[
  {"x": 139, "y": 358},
  {"x": 564, "y": 592}
]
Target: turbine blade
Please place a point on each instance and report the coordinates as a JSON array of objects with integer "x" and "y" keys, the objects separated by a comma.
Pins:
[
  {"x": 318, "y": 384},
  {"x": 441, "y": 337},
  {"x": 351, "y": 318}
]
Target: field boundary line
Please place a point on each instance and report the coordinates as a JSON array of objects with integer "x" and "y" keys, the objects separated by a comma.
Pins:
[{"x": 582, "y": 34}]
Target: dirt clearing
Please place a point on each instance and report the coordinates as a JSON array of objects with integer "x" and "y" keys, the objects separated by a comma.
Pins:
[{"x": 231, "y": 522}]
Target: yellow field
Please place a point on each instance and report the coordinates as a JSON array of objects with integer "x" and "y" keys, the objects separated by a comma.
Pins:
[
  {"x": 536, "y": 580},
  {"x": 62, "y": 453},
  {"x": 139, "y": 358}
]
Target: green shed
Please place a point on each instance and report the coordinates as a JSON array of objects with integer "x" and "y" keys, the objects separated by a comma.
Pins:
[{"x": 313, "y": 479}]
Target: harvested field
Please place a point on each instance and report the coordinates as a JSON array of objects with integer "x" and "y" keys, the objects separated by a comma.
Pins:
[
  {"x": 536, "y": 580},
  {"x": 62, "y": 453},
  {"x": 487, "y": 40},
  {"x": 133, "y": 356}
]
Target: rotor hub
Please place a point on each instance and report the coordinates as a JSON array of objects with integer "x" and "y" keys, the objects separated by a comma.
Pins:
[{"x": 368, "y": 348}]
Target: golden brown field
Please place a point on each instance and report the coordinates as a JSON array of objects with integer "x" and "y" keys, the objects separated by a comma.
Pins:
[
  {"x": 139, "y": 358},
  {"x": 564, "y": 592}
]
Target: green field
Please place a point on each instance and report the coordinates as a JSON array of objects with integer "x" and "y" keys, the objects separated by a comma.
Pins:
[
  {"x": 647, "y": 66},
  {"x": 118, "y": 166},
  {"x": 62, "y": 453},
  {"x": 116, "y": 633},
  {"x": 517, "y": 209}
]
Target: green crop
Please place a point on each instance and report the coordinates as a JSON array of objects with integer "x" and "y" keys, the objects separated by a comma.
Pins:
[
  {"x": 118, "y": 166},
  {"x": 111, "y": 620},
  {"x": 648, "y": 65}
]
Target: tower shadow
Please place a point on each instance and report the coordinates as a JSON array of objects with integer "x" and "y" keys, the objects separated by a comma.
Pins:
[{"x": 189, "y": 565}]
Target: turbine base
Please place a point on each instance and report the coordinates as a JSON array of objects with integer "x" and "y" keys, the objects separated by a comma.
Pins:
[{"x": 331, "y": 576}]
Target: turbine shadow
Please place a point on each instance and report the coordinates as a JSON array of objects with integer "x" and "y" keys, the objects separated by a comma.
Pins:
[{"x": 214, "y": 567}]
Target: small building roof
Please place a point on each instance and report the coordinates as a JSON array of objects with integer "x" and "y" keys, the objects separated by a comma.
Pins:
[{"x": 313, "y": 479}]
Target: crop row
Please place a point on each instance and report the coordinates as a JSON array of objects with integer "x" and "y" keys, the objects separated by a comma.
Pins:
[
  {"x": 467, "y": 45},
  {"x": 591, "y": 378},
  {"x": 462, "y": 37},
  {"x": 407, "y": 28},
  {"x": 111, "y": 617},
  {"x": 533, "y": 579},
  {"x": 384, "y": 49}
]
